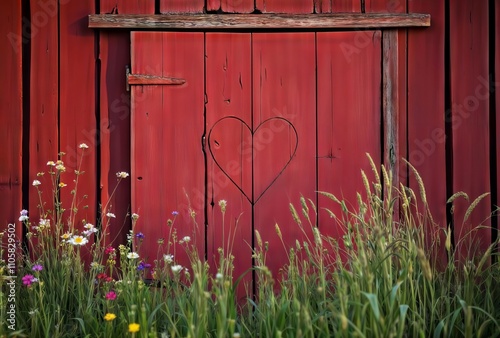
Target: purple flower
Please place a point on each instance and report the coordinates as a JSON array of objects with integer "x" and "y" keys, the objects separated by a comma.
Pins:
[
  {"x": 175, "y": 213},
  {"x": 143, "y": 266},
  {"x": 140, "y": 235},
  {"x": 37, "y": 267}
]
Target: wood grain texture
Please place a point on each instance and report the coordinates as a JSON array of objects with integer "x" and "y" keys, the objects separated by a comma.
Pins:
[
  {"x": 145, "y": 79},
  {"x": 336, "y": 6},
  {"x": 77, "y": 115},
  {"x": 11, "y": 119},
  {"x": 349, "y": 118},
  {"x": 426, "y": 123},
  {"x": 390, "y": 103},
  {"x": 285, "y": 6},
  {"x": 284, "y": 105},
  {"x": 114, "y": 118},
  {"x": 231, "y": 6},
  {"x": 182, "y": 6},
  {"x": 470, "y": 121},
  {"x": 168, "y": 162},
  {"x": 44, "y": 101},
  {"x": 259, "y": 21},
  {"x": 228, "y": 147}
]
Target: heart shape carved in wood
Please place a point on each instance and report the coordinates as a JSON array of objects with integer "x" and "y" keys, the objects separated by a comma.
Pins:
[{"x": 252, "y": 158}]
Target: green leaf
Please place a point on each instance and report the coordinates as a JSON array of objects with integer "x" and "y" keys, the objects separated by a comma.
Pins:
[{"x": 372, "y": 298}]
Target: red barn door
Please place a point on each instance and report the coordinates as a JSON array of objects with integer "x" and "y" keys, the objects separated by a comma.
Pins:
[{"x": 255, "y": 119}]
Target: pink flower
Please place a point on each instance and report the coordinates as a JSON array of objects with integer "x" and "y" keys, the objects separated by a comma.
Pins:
[
  {"x": 111, "y": 295},
  {"x": 28, "y": 280},
  {"x": 109, "y": 250}
]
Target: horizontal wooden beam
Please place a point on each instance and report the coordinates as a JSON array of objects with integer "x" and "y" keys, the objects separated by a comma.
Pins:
[{"x": 204, "y": 22}]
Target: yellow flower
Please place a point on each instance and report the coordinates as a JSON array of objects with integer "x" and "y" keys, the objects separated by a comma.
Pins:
[
  {"x": 133, "y": 328},
  {"x": 62, "y": 185},
  {"x": 109, "y": 316}
]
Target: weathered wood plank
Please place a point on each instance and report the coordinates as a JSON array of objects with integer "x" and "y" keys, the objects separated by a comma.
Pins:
[
  {"x": 259, "y": 21},
  {"x": 114, "y": 119},
  {"x": 349, "y": 119},
  {"x": 11, "y": 118},
  {"x": 426, "y": 123},
  {"x": 168, "y": 163},
  {"x": 390, "y": 103},
  {"x": 77, "y": 109},
  {"x": 469, "y": 123},
  {"x": 143, "y": 79},
  {"x": 335, "y": 6},
  {"x": 284, "y": 102},
  {"x": 285, "y": 6},
  {"x": 181, "y": 6},
  {"x": 44, "y": 101},
  {"x": 228, "y": 148}
]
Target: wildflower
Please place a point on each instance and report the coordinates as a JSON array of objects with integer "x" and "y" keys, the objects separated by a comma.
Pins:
[
  {"x": 51, "y": 163},
  {"x": 24, "y": 215},
  {"x": 175, "y": 213},
  {"x": 61, "y": 167},
  {"x": 37, "y": 267},
  {"x": 168, "y": 258},
  {"x": 186, "y": 239},
  {"x": 44, "y": 223},
  {"x": 176, "y": 268},
  {"x": 160, "y": 241},
  {"x": 109, "y": 317},
  {"x": 111, "y": 295},
  {"x": 222, "y": 205},
  {"x": 78, "y": 240},
  {"x": 143, "y": 266},
  {"x": 109, "y": 250},
  {"x": 122, "y": 174},
  {"x": 133, "y": 328},
  {"x": 95, "y": 265},
  {"x": 218, "y": 276},
  {"x": 140, "y": 236},
  {"x": 36, "y": 183},
  {"x": 66, "y": 236},
  {"x": 62, "y": 185},
  {"x": 101, "y": 275},
  {"x": 110, "y": 215},
  {"x": 134, "y": 216},
  {"x": 132, "y": 255},
  {"x": 108, "y": 279},
  {"x": 90, "y": 229},
  {"x": 83, "y": 146},
  {"x": 28, "y": 280}
]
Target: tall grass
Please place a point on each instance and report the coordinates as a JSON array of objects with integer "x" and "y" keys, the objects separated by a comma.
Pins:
[{"x": 379, "y": 280}]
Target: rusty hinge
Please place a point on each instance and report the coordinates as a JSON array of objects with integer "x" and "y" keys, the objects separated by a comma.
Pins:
[{"x": 144, "y": 79}]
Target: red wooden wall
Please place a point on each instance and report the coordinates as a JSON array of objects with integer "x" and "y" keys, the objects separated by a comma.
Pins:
[{"x": 64, "y": 84}]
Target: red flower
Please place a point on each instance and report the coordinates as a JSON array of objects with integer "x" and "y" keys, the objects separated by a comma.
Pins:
[{"x": 102, "y": 275}]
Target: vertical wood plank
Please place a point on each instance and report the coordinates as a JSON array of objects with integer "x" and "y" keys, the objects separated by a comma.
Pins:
[
  {"x": 284, "y": 90},
  {"x": 349, "y": 120},
  {"x": 182, "y": 6},
  {"x": 426, "y": 122},
  {"x": 336, "y": 6},
  {"x": 228, "y": 145},
  {"x": 77, "y": 106},
  {"x": 44, "y": 99},
  {"x": 385, "y": 6},
  {"x": 114, "y": 118},
  {"x": 168, "y": 162},
  {"x": 11, "y": 117},
  {"x": 470, "y": 120},
  {"x": 231, "y": 6},
  {"x": 285, "y": 6}
]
